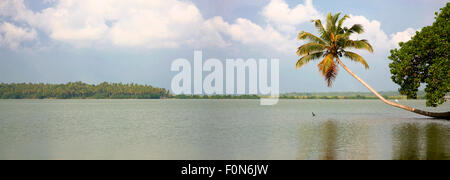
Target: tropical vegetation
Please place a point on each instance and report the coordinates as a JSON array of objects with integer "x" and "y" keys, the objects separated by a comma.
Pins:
[
  {"x": 425, "y": 60},
  {"x": 79, "y": 90},
  {"x": 333, "y": 43}
]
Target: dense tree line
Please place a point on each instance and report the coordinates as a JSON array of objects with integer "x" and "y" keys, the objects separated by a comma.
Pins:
[
  {"x": 425, "y": 60},
  {"x": 79, "y": 90}
]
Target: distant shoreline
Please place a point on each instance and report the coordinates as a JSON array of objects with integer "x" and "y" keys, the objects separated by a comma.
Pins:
[
  {"x": 80, "y": 90},
  {"x": 168, "y": 99},
  {"x": 228, "y": 98}
]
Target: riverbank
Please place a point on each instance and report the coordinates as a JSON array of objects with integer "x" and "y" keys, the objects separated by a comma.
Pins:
[{"x": 80, "y": 90}]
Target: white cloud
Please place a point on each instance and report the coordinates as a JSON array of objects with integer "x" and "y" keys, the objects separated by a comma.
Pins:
[
  {"x": 11, "y": 7},
  {"x": 171, "y": 24},
  {"x": 285, "y": 18},
  {"x": 157, "y": 24},
  {"x": 249, "y": 33},
  {"x": 13, "y": 36},
  {"x": 403, "y": 36},
  {"x": 375, "y": 34},
  {"x": 131, "y": 23}
]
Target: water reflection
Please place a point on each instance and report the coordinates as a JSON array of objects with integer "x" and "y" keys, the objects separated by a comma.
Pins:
[
  {"x": 417, "y": 142},
  {"x": 437, "y": 142},
  {"x": 334, "y": 139},
  {"x": 330, "y": 140},
  {"x": 406, "y": 139},
  {"x": 318, "y": 141}
]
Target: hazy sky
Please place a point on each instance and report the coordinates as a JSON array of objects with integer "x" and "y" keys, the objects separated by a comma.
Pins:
[{"x": 58, "y": 41}]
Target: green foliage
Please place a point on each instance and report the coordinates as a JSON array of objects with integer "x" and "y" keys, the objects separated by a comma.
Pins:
[
  {"x": 347, "y": 95},
  {"x": 79, "y": 90},
  {"x": 332, "y": 43},
  {"x": 425, "y": 59}
]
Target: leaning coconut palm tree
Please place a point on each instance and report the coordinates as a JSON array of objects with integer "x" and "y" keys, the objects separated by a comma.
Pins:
[{"x": 333, "y": 44}]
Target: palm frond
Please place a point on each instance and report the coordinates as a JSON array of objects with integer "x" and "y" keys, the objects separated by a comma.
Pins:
[
  {"x": 306, "y": 59},
  {"x": 359, "y": 44},
  {"x": 321, "y": 29},
  {"x": 310, "y": 48},
  {"x": 342, "y": 38},
  {"x": 328, "y": 69},
  {"x": 323, "y": 65},
  {"x": 319, "y": 26},
  {"x": 341, "y": 22},
  {"x": 311, "y": 37},
  {"x": 331, "y": 74},
  {"x": 357, "y": 28},
  {"x": 335, "y": 19},
  {"x": 329, "y": 21},
  {"x": 357, "y": 58}
]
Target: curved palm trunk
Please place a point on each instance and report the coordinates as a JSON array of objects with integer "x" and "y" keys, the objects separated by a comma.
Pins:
[{"x": 445, "y": 115}]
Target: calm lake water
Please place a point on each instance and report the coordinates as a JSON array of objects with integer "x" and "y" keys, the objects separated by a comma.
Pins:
[{"x": 218, "y": 129}]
